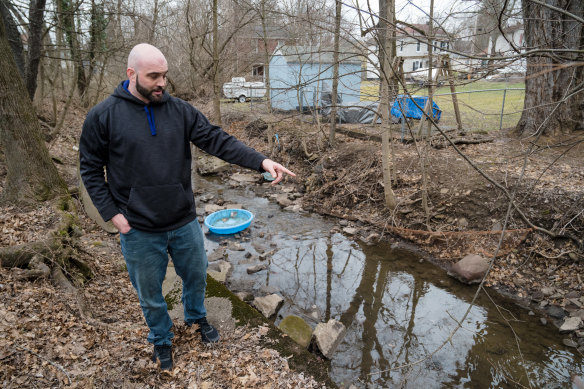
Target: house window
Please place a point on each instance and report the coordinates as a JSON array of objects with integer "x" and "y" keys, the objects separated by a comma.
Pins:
[
  {"x": 401, "y": 46},
  {"x": 443, "y": 45},
  {"x": 415, "y": 66},
  {"x": 257, "y": 70},
  {"x": 418, "y": 47}
]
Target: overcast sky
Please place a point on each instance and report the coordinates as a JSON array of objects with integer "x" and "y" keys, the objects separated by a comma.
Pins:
[{"x": 416, "y": 11}]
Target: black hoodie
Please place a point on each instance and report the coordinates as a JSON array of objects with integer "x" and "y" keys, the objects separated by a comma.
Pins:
[{"x": 145, "y": 149}]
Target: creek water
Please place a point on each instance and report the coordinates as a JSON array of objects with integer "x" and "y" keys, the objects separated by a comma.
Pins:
[{"x": 400, "y": 312}]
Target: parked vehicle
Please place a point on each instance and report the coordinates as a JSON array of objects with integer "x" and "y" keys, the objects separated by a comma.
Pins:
[
  {"x": 241, "y": 90},
  {"x": 420, "y": 76}
]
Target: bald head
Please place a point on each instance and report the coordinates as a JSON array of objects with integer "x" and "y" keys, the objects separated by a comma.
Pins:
[
  {"x": 145, "y": 53},
  {"x": 147, "y": 69}
]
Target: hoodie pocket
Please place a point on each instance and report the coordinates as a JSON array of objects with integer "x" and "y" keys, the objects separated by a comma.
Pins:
[{"x": 158, "y": 206}]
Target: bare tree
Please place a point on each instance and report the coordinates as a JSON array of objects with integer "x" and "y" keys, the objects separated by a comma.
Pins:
[
  {"x": 387, "y": 91},
  {"x": 334, "y": 96},
  {"x": 210, "y": 35}
]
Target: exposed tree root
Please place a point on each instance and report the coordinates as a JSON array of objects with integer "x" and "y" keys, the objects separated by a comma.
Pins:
[
  {"x": 63, "y": 282},
  {"x": 56, "y": 257}
]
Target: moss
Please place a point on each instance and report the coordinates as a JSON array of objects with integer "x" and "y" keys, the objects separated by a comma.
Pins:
[
  {"x": 297, "y": 329},
  {"x": 299, "y": 358},
  {"x": 241, "y": 311},
  {"x": 172, "y": 298}
]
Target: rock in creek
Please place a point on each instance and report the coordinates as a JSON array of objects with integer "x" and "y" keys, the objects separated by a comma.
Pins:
[
  {"x": 555, "y": 311},
  {"x": 234, "y": 246},
  {"x": 245, "y": 178},
  {"x": 257, "y": 268},
  {"x": 258, "y": 248},
  {"x": 219, "y": 270},
  {"x": 297, "y": 329},
  {"x": 283, "y": 200},
  {"x": 245, "y": 296},
  {"x": 569, "y": 342},
  {"x": 571, "y": 324},
  {"x": 350, "y": 230},
  {"x": 328, "y": 336},
  {"x": 268, "y": 305},
  {"x": 208, "y": 165},
  {"x": 470, "y": 269},
  {"x": 210, "y": 208},
  {"x": 217, "y": 255}
]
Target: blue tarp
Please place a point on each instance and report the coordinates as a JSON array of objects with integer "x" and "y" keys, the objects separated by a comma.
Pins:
[
  {"x": 365, "y": 111},
  {"x": 406, "y": 104}
]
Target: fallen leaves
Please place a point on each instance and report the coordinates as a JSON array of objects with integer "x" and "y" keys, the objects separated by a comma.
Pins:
[{"x": 44, "y": 343}]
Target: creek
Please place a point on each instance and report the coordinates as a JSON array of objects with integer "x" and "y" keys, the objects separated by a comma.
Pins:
[{"x": 398, "y": 308}]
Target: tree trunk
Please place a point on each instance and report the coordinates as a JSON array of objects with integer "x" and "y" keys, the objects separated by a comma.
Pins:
[
  {"x": 31, "y": 176},
  {"x": 216, "y": 86},
  {"x": 68, "y": 23},
  {"x": 13, "y": 36},
  {"x": 387, "y": 92},
  {"x": 35, "y": 33},
  {"x": 551, "y": 78},
  {"x": 334, "y": 101},
  {"x": 430, "y": 112},
  {"x": 154, "y": 23},
  {"x": 267, "y": 54}
]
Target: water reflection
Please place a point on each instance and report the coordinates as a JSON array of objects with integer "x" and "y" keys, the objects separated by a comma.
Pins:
[
  {"x": 397, "y": 311},
  {"x": 393, "y": 318}
]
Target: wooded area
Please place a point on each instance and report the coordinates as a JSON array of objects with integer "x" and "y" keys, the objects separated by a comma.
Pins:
[{"x": 59, "y": 58}]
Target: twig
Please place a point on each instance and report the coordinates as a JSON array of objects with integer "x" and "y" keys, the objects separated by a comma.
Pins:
[
  {"x": 555, "y": 257},
  {"x": 46, "y": 360}
]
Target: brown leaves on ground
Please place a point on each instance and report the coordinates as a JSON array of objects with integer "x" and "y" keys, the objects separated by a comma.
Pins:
[{"x": 44, "y": 343}]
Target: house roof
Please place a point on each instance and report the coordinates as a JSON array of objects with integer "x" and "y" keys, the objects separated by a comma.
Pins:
[
  {"x": 413, "y": 31},
  {"x": 312, "y": 54}
]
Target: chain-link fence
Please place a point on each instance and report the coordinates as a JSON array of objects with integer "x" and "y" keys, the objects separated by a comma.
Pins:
[
  {"x": 483, "y": 105},
  {"x": 482, "y": 109}
]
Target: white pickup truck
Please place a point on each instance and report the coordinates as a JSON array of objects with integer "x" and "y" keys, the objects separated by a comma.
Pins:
[{"x": 241, "y": 90}]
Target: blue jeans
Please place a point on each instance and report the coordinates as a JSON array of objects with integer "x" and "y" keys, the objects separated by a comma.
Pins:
[{"x": 146, "y": 255}]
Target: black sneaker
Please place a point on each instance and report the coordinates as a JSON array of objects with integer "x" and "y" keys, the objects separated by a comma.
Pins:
[
  {"x": 164, "y": 354},
  {"x": 208, "y": 333}
]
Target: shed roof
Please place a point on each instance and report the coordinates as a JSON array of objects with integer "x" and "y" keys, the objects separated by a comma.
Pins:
[{"x": 312, "y": 54}]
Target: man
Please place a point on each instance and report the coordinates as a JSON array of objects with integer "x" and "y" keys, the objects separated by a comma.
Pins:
[{"x": 142, "y": 136}]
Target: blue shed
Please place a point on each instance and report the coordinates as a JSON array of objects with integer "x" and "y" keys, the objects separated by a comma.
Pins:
[{"x": 299, "y": 75}]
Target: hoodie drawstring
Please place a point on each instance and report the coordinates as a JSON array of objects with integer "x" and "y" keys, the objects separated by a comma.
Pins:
[
  {"x": 150, "y": 116},
  {"x": 149, "y": 112}
]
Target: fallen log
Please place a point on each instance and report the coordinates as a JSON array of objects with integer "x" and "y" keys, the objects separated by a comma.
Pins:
[{"x": 440, "y": 143}]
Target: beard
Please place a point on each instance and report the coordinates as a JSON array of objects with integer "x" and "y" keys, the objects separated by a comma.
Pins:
[{"x": 147, "y": 93}]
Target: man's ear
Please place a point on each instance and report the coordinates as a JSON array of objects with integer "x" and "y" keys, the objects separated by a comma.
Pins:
[{"x": 131, "y": 73}]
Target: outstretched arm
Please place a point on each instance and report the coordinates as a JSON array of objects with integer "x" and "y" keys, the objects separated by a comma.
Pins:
[{"x": 276, "y": 170}]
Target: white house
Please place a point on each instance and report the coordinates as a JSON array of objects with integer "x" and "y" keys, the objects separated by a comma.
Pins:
[
  {"x": 514, "y": 34},
  {"x": 412, "y": 45}
]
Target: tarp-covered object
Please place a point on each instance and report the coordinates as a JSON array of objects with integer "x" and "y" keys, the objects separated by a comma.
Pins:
[
  {"x": 412, "y": 107},
  {"x": 365, "y": 111},
  {"x": 357, "y": 112}
]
